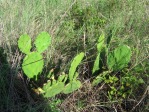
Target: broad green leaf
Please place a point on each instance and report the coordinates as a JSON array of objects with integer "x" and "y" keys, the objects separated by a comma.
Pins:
[
  {"x": 119, "y": 58},
  {"x": 24, "y": 43},
  {"x": 33, "y": 64},
  {"x": 72, "y": 86},
  {"x": 100, "y": 42},
  {"x": 54, "y": 89},
  {"x": 76, "y": 61},
  {"x": 42, "y": 41},
  {"x": 96, "y": 64}
]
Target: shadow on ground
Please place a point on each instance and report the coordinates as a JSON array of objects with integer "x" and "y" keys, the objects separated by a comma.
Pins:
[{"x": 16, "y": 94}]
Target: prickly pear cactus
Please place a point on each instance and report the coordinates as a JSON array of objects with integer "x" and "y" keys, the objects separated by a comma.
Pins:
[
  {"x": 72, "y": 85},
  {"x": 76, "y": 61},
  {"x": 54, "y": 87},
  {"x": 96, "y": 64},
  {"x": 24, "y": 43},
  {"x": 100, "y": 42},
  {"x": 100, "y": 45},
  {"x": 42, "y": 41},
  {"x": 119, "y": 58},
  {"x": 33, "y": 62}
]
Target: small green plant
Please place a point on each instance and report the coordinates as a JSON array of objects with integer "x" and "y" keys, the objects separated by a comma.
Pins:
[
  {"x": 53, "y": 105},
  {"x": 117, "y": 60},
  {"x": 129, "y": 81},
  {"x": 33, "y": 62},
  {"x": 100, "y": 78}
]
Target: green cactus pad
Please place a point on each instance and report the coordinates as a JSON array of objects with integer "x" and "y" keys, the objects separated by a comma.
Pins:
[
  {"x": 72, "y": 86},
  {"x": 76, "y": 61},
  {"x": 33, "y": 64},
  {"x": 62, "y": 78},
  {"x": 100, "y": 45},
  {"x": 24, "y": 43},
  {"x": 42, "y": 41},
  {"x": 52, "y": 90},
  {"x": 119, "y": 58},
  {"x": 75, "y": 76},
  {"x": 100, "y": 42},
  {"x": 96, "y": 64}
]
